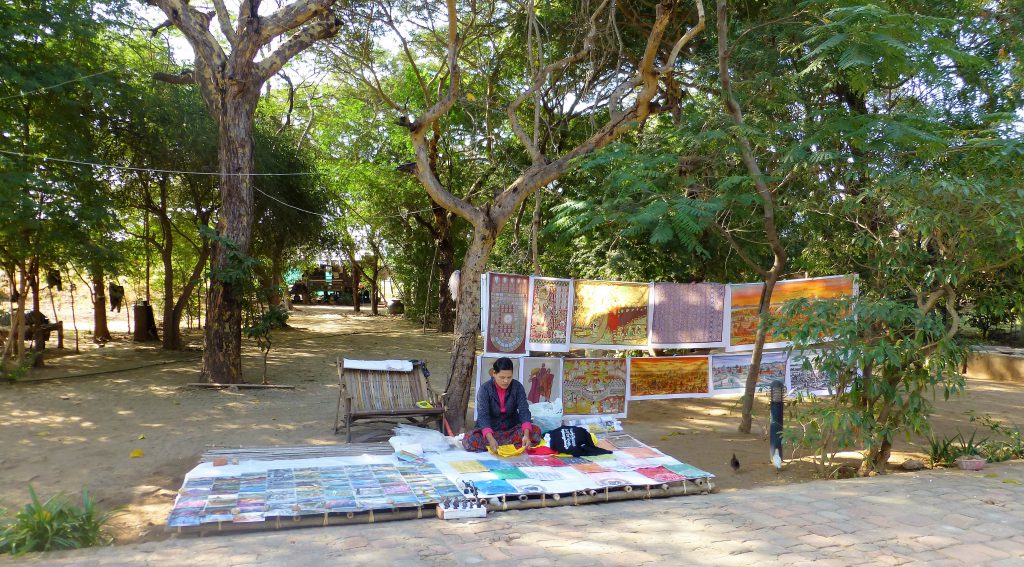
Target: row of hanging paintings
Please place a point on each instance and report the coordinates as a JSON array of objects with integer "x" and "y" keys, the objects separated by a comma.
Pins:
[
  {"x": 524, "y": 314},
  {"x": 604, "y": 386}
]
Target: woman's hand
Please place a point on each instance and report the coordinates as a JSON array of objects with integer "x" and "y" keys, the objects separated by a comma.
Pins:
[
  {"x": 526, "y": 440},
  {"x": 492, "y": 442}
]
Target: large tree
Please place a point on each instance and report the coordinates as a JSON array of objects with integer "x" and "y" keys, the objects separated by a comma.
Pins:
[
  {"x": 230, "y": 77},
  {"x": 622, "y": 93}
]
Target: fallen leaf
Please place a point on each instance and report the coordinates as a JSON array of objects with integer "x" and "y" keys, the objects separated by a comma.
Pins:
[
  {"x": 135, "y": 454},
  {"x": 1010, "y": 481},
  {"x": 143, "y": 436}
]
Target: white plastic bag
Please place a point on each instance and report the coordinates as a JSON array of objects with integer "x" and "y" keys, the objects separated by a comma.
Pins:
[
  {"x": 547, "y": 415},
  {"x": 418, "y": 440}
]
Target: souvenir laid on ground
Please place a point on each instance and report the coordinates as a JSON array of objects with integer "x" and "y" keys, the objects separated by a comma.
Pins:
[
  {"x": 468, "y": 466},
  {"x": 688, "y": 471},
  {"x": 543, "y": 473},
  {"x": 611, "y": 315},
  {"x": 660, "y": 474},
  {"x": 729, "y": 372},
  {"x": 595, "y": 386},
  {"x": 669, "y": 377},
  {"x": 622, "y": 441},
  {"x": 244, "y": 495},
  {"x": 688, "y": 315},
  {"x": 253, "y": 492},
  {"x": 495, "y": 487},
  {"x": 550, "y": 314},
  {"x": 506, "y": 300},
  {"x": 643, "y": 453}
]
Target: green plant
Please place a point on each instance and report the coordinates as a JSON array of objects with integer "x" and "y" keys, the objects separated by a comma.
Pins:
[
  {"x": 1011, "y": 444},
  {"x": 968, "y": 447},
  {"x": 941, "y": 452},
  {"x": 54, "y": 524},
  {"x": 259, "y": 328}
]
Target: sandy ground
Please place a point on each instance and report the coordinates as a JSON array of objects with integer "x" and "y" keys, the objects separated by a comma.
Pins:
[{"x": 75, "y": 423}]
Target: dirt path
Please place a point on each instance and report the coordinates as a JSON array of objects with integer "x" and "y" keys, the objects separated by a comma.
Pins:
[{"x": 65, "y": 433}]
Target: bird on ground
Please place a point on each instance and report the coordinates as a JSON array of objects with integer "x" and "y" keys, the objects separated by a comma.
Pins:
[{"x": 734, "y": 463}]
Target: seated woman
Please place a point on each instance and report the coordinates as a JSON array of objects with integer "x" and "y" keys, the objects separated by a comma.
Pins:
[{"x": 503, "y": 414}]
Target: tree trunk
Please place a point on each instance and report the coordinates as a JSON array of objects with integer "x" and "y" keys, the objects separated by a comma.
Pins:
[
  {"x": 15, "y": 346},
  {"x": 445, "y": 268},
  {"x": 746, "y": 418},
  {"x": 100, "y": 332},
  {"x": 354, "y": 270},
  {"x": 467, "y": 324},
  {"x": 222, "y": 357},
  {"x": 275, "y": 277},
  {"x": 172, "y": 334},
  {"x": 878, "y": 458},
  {"x": 374, "y": 287}
]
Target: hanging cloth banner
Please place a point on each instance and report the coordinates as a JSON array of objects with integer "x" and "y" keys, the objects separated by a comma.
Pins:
[
  {"x": 610, "y": 315},
  {"x": 688, "y": 315},
  {"x": 506, "y": 299},
  {"x": 729, "y": 372},
  {"x": 550, "y": 314},
  {"x": 595, "y": 386},
  {"x": 659, "y": 378},
  {"x": 744, "y": 300}
]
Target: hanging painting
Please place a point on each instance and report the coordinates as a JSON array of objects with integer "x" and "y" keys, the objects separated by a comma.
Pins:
[
  {"x": 610, "y": 315},
  {"x": 688, "y": 315},
  {"x": 806, "y": 375},
  {"x": 744, "y": 300},
  {"x": 542, "y": 378},
  {"x": 729, "y": 372},
  {"x": 507, "y": 298},
  {"x": 550, "y": 309},
  {"x": 484, "y": 364},
  {"x": 668, "y": 377},
  {"x": 595, "y": 386}
]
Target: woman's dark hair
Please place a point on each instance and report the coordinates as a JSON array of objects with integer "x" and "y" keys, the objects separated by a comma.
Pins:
[{"x": 503, "y": 363}]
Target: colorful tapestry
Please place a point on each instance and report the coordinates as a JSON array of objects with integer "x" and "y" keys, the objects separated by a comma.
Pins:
[
  {"x": 508, "y": 298},
  {"x": 550, "y": 307},
  {"x": 609, "y": 314},
  {"x": 668, "y": 377},
  {"x": 729, "y": 372},
  {"x": 806, "y": 375},
  {"x": 688, "y": 315},
  {"x": 542, "y": 378},
  {"x": 746, "y": 298},
  {"x": 594, "y": 386}
]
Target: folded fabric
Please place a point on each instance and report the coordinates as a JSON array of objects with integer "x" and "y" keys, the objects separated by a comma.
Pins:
[
  {"x": 541, "y": 450},
  {"x": 385, "y": 365},
  {"x": 506, "y": 451}
]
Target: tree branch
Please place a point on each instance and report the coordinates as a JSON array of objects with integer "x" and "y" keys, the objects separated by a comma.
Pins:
[
  {"x": 538, "y": 81},
  {"x": 224, "y": 19},
  {"x": 326, "y": 26},
  {"x": 186, "y": 77}
]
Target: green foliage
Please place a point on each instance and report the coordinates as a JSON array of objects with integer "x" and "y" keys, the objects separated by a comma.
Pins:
[
  {"x": 259, "y": 327},
  {"x": 54, "y": 524},
  {"x": 887, "y": 361}
]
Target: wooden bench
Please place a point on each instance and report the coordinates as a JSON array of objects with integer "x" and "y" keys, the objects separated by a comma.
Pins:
[
  {"x": 30, "y": 332},
  {"x": 385, "y": 390}
]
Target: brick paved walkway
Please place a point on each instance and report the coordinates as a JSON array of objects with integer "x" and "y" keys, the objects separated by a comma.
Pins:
[{"x": 932, "y": 517}]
